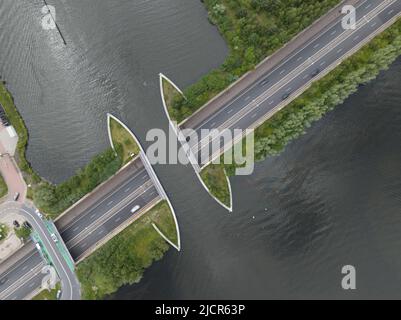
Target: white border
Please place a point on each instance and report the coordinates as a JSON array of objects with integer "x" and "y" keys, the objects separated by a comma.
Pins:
[
  {"x": 179, "y": 135},
  {"x": 152, "y": 173}
]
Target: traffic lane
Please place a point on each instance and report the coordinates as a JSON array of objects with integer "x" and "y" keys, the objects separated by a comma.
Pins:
[
  {"x": 19, "y": 269},
  {"x": 116, "y": 220},
  {"x": 304, "y": 77},
  {"x": 116, "y": 195},
  {"x": 279, "y": 72},
  {"x": 87, "y": 218},
  {"x": 26, "y": 289},
  {"x": 111, "y": 211},
  {"x": 65, "y": 274}
]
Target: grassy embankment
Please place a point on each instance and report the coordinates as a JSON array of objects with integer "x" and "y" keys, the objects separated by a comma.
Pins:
[
  {"x": 215, "y": 179},
  {"x": 325, "y": 94},
  {"x": 125, "y": 144},
  {"x": 124, "y": 258},
  {"x": 171, "y": 95},
  {"x": 54, "y": 199},
  {"x": 48, "y": 295},
  {"x": 3, "y": 187},
  {"x": 253, "y": 29},
  {"x": 213, "y": 175},
  {"x": 3, "y": 232}
]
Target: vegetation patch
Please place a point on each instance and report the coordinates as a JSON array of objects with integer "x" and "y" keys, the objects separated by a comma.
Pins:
[
  {"x": 164, "y": 221},
  {"x": 3, "y": 232},
  {"x": 253, "y": 29},
  {"x": 16, "y": 120},
  {"x": 171, "y": 95},
  {"x": 48, "y": 294},
  {"x": 3, "y": 187},
  {"x": 215, "y": 178},
  {"x": 326, "y": 93},
  {"x": 123, "y": 141},
  {"x": 54, "y": 199},
  {"x": 23, "y": 232},
  {"x": 123, "y": 259}
]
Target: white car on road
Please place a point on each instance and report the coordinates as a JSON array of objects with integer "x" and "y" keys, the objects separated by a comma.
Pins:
[
  {"x": 39, "y": 214},
  {"x": 54, "y": 237},
  {"x": 135, "y": 209}
]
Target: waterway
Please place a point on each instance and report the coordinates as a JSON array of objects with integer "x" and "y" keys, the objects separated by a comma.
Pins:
[{"x": 331, "y": 199}]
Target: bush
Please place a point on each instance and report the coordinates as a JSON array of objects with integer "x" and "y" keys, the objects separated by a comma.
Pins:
[
  {"x": 54, "y": 199},
  {"x": 254, "y": 29},
  {"x": 286, "y": 125}
]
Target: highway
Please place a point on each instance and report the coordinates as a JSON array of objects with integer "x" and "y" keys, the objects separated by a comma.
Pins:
[
  {"x": 288, "y": 79},
  {"x": 95, "y": 219},
  {"x": 22, "y": 277},
  {"x": 97, "y": 222}
]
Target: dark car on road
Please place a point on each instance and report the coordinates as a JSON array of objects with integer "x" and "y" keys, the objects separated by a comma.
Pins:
[
  {"x": 3, "y": 281},
  {"x": 264, "y": 81},
  {"x": 285, "y": 96},
  {"x": 315, "y": 73}
]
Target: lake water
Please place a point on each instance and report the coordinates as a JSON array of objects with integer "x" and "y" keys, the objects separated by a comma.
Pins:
[{"x": 331, "y": 199}]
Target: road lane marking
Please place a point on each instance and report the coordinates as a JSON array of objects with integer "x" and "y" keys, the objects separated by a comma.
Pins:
[
  {"x": 339, "y": 50},
  {"x": 282, "y": 71},
  {"x": 111, "y": 202},
  {"x": 118, "y": 219},
  {"x": 390, "y": 12},
  {"x": 93, "y": 215},
  {"x": 107, "y": 216},
  {"x": 316, "y": 45},
  {"x": 128, "y": 189},
  {"x": 333, "y": 33},
  {"x": 75, "y": 229},
  {"x": 373, "y": 24},
  {"x": 229, "y": 111},
  {"x": 299, "y": 59},
  {"x": 271, "y": 102},
  {"x": 305, "y": 45},
  {"x": 342, "y": 41},
  {"x": 254, "y": 115},
  {"x": 108, "y": 196}
]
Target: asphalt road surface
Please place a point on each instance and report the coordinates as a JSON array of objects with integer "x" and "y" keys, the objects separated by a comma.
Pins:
[
  {"x": 24, "y": 273},
  {"x": 277, "y": 87},
  {"x": 83, "y": 232}
]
